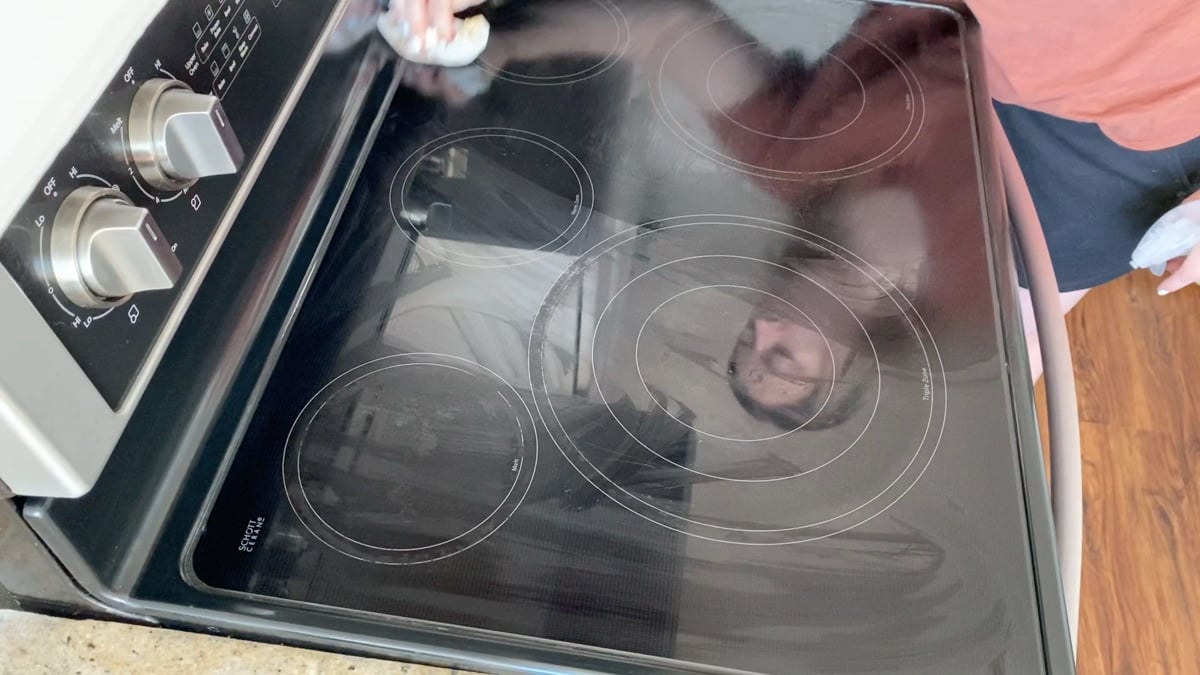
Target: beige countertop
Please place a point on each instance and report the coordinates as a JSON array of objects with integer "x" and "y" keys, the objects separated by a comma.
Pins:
[{"x": 32, "y": 645}]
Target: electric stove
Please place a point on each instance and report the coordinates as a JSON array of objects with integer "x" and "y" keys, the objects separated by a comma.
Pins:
[
  {"x": 666, "y": 337},
  {"x": 586, "y": 366}
]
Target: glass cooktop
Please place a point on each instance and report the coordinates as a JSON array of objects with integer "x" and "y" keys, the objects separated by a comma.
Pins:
[{"x": 666, "y": 328}]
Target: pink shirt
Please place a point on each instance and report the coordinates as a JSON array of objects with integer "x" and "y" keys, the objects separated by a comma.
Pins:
[{"x": 1130, "y": 66}]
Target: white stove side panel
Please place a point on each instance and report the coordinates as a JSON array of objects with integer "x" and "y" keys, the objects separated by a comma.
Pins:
[{"x": 57, "y": 57}]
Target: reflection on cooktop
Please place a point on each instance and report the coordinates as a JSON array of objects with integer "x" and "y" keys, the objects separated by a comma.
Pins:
[
  {"x": 678, "y": 339},
  {"x": 805, "y": 441},
  {"x": 610, "y": 33},
  {"x": 872, "y": 125}
]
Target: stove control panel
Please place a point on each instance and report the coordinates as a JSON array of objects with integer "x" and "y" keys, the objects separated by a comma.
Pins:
[{"x": 110, "y": 246}]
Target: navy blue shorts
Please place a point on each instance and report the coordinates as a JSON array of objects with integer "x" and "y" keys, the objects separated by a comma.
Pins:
[{"x": 1094, "y": 197}]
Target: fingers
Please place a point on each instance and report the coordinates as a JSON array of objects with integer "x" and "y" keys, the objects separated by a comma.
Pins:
[
  {"x": 420, "y": 15},
  {"x": 1181, "y": 273},
  {"x": 417, "y": 17},
  {"x": 441, "y": 15}
]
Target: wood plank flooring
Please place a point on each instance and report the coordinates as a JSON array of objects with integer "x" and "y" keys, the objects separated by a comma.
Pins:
[{"x": 1137, "y": 362}]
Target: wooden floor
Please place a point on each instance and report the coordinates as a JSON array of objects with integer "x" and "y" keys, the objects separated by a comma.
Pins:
[{"x": 1137, "y": 362}]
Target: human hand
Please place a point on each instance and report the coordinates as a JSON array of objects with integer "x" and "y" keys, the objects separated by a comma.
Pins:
[
  {"x": 416, "y": 17},
  {"x": 1181, "y": 272},
  {"x": 1185, "y": 270},
  {"x": 458, "y": 85}
]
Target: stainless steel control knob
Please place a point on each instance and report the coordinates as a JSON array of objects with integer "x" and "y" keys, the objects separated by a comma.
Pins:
[
  {"x": 104, "y": 249},
  {"x": 177, "y": 136}
]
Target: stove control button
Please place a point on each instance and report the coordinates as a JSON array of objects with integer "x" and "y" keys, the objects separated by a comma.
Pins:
[
  {"x": 104, "y": 249},
  {"x": 178, "y": 136}
]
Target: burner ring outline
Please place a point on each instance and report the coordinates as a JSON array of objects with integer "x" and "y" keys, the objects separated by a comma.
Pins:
[
  {"x": 916, "y": 122},
  {"x": 930, "y": 351},
  {"x": 579, "y": 218},
  {"x": 523, "y": 481},
  {"x": 611, "y": 59}
]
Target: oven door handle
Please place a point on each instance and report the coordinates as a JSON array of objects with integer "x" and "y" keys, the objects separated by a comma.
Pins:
[{"x": 1062, "y": 405}]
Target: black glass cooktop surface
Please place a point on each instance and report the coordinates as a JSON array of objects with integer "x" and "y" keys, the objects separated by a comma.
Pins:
[{"x": 666, "y": 328}]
